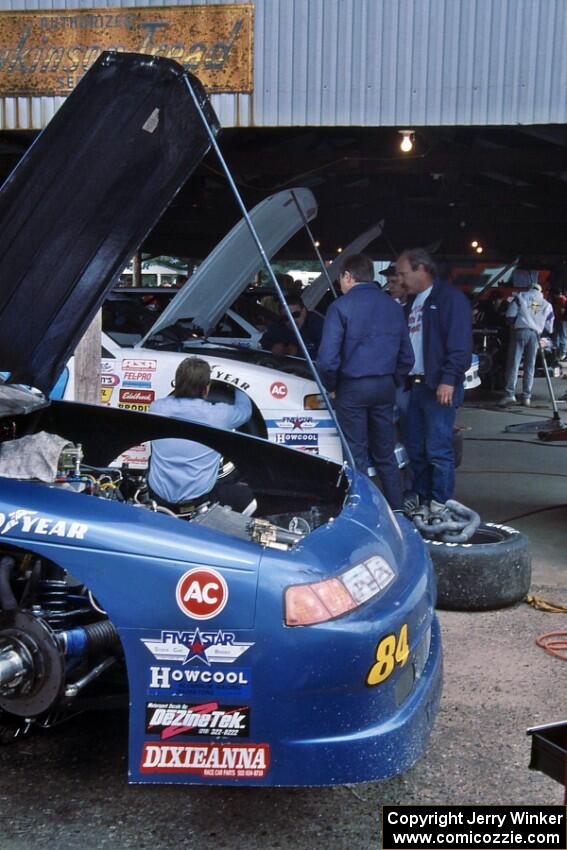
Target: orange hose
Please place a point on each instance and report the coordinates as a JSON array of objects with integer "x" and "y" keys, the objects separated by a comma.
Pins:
[{"x": 554, "y": 643}]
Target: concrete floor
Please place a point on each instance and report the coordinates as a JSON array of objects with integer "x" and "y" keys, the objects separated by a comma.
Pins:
[
  {"x": 517, "y": 478},
  {"x": 67, "y": 788}
]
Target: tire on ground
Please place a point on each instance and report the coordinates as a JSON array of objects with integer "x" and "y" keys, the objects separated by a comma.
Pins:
[{"x": 492, "y": 571}]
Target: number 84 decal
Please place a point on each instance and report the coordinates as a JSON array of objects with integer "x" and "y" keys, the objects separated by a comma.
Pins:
[{"x": 391, "y": 650}]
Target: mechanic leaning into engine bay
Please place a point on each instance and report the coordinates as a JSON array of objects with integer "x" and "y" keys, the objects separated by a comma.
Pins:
[
  {"x": 440, "y": 328},
  {"x": 184, "y": 473},
  {"x": 364, "y": 354}
]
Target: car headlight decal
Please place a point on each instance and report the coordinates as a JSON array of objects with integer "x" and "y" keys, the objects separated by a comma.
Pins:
[
  {"x": 317, "y": 602},
  {"x": 314, "y": 402}
]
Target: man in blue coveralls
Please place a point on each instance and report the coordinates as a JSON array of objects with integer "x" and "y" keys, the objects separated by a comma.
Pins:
[
  {"x": 364, "y": 354},
  {"x": 440, "y": 327},
  {"x": 184, "y": 473}
]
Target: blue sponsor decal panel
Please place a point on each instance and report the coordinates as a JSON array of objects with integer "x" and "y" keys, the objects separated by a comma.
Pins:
[{"x": 219, "y": 684}]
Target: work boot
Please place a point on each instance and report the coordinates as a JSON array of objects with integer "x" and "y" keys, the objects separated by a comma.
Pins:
[
  {"x": 507, "y": 401},
  {"x": 411, "y": 502},
  {"x": 527, "y": 402},
  {"x": 436, "y": 509}
]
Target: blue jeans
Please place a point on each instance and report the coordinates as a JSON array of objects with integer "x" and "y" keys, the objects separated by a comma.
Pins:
[
  {"x": 523, "y": 343},
  {"x": 365, "y": 410},
  {"x": 560, "y": 336},
  {"x": 429, "y": 441}
]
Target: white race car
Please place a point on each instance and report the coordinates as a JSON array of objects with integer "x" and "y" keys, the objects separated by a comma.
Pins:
[{"x": 287, "y": 405}]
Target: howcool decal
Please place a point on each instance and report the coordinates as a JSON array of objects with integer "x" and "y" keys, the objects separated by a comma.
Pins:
[
  {"x": 168, "y": 720},
  {"x": 202, "y": 684},
  {"x": 201, "y": 593},
  {"x": 230, "y": 760},
  {"x": 208, "y": 647}
]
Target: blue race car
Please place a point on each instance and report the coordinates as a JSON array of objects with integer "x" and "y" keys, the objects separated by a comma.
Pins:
[{"x": 298, "y": 646}]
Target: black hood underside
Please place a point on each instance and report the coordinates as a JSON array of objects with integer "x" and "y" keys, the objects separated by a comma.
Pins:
[{"x": 82, "y": 200}]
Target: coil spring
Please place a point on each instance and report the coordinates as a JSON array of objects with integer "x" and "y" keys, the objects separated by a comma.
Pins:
[{"x": 53, "y": 597}]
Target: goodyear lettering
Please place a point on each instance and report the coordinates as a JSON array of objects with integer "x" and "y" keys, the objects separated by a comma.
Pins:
[
  {"x": 28, "y": 522},
  {"x": 219, "y": 374}
]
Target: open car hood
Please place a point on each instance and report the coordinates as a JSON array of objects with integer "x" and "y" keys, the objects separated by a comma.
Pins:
[
  {"x": 225, "y": 273},
  {"x": 84, "y": 197}
]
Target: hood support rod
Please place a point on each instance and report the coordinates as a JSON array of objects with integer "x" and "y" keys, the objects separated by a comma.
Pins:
[{"x": 255, "y": 237}]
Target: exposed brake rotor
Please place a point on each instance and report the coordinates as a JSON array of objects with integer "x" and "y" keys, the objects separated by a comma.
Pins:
[{"x": 32, "y": 664}]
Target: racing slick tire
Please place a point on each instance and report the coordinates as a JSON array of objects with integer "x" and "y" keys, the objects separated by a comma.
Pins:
[{"x": 492, "y": 571}]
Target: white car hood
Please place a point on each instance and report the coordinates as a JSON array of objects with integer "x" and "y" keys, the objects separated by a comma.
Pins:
[{"x": 223, "y": 276}]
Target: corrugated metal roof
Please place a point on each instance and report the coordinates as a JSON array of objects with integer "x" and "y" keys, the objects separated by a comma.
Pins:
[{"x": 379, "y": 62}]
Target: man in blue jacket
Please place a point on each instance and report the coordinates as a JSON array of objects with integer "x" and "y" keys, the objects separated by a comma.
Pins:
[
  {"x": 364, "y": 354},
  {"x": 440, "y": 327}
]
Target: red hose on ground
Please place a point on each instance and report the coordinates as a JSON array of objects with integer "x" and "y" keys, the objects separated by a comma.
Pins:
[{"x": 555, "y": 643}]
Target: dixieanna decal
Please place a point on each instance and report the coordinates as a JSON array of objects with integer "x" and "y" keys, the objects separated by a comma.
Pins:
[{"x": 227, "y": 760}]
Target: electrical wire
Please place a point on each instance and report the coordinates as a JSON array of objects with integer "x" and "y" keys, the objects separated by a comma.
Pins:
[{"x": 554, "y": 643}]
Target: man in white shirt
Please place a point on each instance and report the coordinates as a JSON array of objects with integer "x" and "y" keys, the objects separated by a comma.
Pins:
[{"x": 440, "y": 328}]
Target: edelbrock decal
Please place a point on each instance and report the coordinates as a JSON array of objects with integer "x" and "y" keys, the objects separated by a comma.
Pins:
[
  {"x": 169, "y": 720},
  {"x": 226, "y": 760},
  {"x": 201, "y": 593},
  {"x": 30, "y": 522},
  {"x": 209, "y": 647}
]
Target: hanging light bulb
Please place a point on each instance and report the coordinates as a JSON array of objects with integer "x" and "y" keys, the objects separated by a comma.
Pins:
[
  {"x": 339, "y": 250},
  {"x": 406, "y": 145},
  {"x": 479, "y": 249},
  {"x": 317, "y": 244},
  {"x": 474, "y": 244}
]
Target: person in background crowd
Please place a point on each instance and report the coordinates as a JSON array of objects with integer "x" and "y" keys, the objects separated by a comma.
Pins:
[
  {"x": 280, "y": 337},
  {"x": 394, "y": 285},
  {"x": 530, "y": 315},
  {"x": 559, "y": 303},
  {"x": 491, "y": 312},
  {"x": 440, "y": 327},
  {"x": 364, "y": 353},
  {"x": 184, "y": 473}
]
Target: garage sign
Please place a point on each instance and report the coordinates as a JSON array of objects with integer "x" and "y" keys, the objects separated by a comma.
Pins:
[{"x": 47, "y": 52}]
